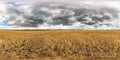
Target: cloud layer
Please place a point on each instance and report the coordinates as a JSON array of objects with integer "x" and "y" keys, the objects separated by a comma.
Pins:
[{"x": 60, "y": 15}]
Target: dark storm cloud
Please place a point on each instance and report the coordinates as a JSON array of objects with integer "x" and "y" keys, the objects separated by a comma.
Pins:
[
  {"x": 62, "y": 20},
  {"x": 96, "y": 14}
]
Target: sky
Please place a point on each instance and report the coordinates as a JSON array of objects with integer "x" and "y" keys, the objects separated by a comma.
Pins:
[{"x": 60, "y": 14}]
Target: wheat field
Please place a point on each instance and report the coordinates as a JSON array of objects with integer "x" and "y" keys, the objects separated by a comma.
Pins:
[{"x": 60, "y": 44}]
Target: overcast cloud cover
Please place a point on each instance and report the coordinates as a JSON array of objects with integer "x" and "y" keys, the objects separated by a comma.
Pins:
[{"x": 59, "y": 14}]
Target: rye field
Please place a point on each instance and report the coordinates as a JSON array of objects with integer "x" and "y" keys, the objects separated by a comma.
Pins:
[{"x": 60, "y": 44}]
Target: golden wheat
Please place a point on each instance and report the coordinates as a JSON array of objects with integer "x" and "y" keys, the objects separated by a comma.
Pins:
[{"x": 60, "y": 44}]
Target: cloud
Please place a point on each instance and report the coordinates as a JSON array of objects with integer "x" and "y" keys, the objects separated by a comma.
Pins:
[{"x": 50, "y": 15}]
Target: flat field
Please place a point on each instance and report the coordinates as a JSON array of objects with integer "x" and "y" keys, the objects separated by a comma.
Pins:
[{"x": 60, "y": 44}]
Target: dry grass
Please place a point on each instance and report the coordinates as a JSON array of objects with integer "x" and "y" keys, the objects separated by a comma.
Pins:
[{"x": 60, "y": 45}]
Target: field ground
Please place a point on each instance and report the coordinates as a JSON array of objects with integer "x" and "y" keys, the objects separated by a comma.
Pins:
[{"x": 60, "y": 45}]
